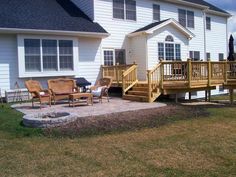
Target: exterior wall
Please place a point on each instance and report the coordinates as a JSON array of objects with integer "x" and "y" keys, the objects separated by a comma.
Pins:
[
  {"x": 138, "y": 54},
  {"x": 216, "y": 38},
  {"x": 89, "y": 58},
  {"x": 159, "y": 36},
  {"x": 86, "y": 6},
  {"x": 120, "y": 28},
  {"x": 89, "y": 62}
]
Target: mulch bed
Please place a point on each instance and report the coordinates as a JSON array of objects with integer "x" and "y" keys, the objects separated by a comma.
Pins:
[{"x": 127, "y": 121}]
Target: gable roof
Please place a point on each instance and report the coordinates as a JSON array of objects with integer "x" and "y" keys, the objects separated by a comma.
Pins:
[
  {"x": 151, "y": 28},
  {"x": 52, "y": 15}
]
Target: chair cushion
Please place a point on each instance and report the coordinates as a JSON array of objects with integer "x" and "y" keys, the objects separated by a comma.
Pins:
[{"x": 98, "y": 91}]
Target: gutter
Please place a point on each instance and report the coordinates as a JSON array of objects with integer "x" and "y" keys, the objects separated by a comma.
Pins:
[{"x": 54, "y": 32}]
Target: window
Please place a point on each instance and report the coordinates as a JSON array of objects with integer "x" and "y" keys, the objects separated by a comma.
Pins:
[
  {"x": 186, "y": 18},
  {"x": 118, "y": 9},
  {"x": 161, "y": 51},
  {"x": 190, "y": 19},
  {"x": 66, "y": 54},
  {"x": 208, "y": 55},
  {"x": 169, "y": 50},
  {"x": 112, "y": 57},
  {"x": 130, "y": 10},
  {"x": 32, "y": 55},
  {"x": 177, "y": 52},
  {"x": 208, "y": 23},
  {"x": 182, "y": 17},
  {"x": 120, "y": 56},
  {"x": 169, "y": 38},
  {"x": 124, "y": 9},
  {"x": 221, "y": 57},
  {"x": 108, "y": 57},
  {"x": 48, "y": 55},
  {"x": 156, "y": 12},
  {"x": 194, "y": 55}
]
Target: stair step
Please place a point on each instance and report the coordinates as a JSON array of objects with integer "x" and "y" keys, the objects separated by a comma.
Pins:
[
  {"x": 136, "y": 98},
  {"x": 140, "y": 89},
  {"x": 138, "y": 93},
  {"x": 141, "y": 85}
]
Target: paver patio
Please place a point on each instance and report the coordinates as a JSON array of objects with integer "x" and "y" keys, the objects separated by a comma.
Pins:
[{"x": 116, "y": 105}]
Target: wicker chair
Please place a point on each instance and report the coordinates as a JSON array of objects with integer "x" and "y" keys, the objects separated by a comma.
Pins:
[
  {"x": 61, "y": 88},
  {"x": 103, "y": 84},
  {"x": 38, "y": 93}
]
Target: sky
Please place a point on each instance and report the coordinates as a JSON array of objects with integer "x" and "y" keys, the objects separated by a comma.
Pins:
[{"x": 229, "y": 6}]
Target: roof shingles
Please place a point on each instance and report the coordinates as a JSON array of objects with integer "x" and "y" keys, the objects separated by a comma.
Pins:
[{"x": 61, "y": 15}]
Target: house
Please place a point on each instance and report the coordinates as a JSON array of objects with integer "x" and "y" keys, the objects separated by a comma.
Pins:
[{"x": 42, "y": 39}]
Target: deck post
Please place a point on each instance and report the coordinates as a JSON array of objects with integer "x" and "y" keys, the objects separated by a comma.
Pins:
[
  {"x": 190, "y": 96},
  {"x": 206, "y": 93},
  {"x": 123, "y": 83},
  {"x": 161, "y": 74},
  {"x": 225, "y": 71},
  {"x": 209, "y": 95},
  {"x": 149, "y": 86},
  {"x": 176, "y": 98},
  {"x": 117, "y": 74},
  {"x": 231, "y": 93},
  {"x": 209, "y": 73},
  {"x": 189, "y": 72}
]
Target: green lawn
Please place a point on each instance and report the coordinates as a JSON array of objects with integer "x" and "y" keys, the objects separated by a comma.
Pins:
[{"x": 200, "y": 145}]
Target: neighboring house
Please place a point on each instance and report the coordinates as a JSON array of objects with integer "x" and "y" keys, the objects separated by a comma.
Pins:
[{"x": 42, "y": 39}]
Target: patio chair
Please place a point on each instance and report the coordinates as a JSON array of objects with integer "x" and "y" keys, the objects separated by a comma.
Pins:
[
  {"x": 101, "y": 88},
  {"x": 38, "y": 93}
]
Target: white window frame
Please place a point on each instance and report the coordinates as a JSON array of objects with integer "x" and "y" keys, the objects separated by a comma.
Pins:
[
  {"x": 108, "y": 49},
  {"x": 125, "y": 19},
  {"x": 30, "y": 74},
  {"x": 174, "y": 43}
]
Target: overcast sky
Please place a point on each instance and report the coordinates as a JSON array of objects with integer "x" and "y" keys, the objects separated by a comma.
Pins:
[{"x": 230, "y": 6}]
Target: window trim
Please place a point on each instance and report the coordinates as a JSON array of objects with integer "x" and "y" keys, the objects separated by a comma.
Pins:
[
  {"x": 125, "y": 19},
  {"x": 21, "y": 57},
  {"x": 166, "y": 42}
]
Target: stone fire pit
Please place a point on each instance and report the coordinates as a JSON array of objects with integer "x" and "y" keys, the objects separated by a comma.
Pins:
[{"x": 48, "y": 120}]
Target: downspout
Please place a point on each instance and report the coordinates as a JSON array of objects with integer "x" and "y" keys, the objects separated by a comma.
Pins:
[{"x": 205, "y": 40}]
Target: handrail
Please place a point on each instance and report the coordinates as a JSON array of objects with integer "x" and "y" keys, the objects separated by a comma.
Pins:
[
  {"x": 129, "y": 78},
  {"x": 154, "y": 81}
]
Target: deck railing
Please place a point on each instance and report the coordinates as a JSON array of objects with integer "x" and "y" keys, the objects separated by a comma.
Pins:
[{"x": 115, "y": 72}]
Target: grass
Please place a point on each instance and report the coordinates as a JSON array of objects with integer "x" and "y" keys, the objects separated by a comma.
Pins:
[{"x": 186, "y": 145}]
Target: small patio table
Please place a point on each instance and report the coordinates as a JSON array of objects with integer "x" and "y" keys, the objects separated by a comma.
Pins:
[{"x": 75, "y": 98}]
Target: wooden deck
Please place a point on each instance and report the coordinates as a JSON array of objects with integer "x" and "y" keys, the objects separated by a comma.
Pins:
[{"x": 172, "y": 78}]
